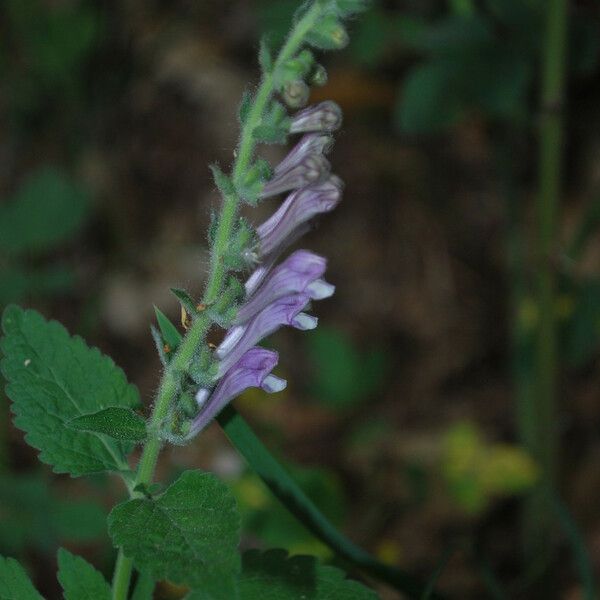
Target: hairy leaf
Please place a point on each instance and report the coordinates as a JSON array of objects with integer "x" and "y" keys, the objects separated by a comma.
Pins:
[
  {"x": 79, "y": 580},
  {"x": 116, "y": 422},
  {"x": 53, "y": 378},
  {"x": 189, "y": 534},
  {"x": 14, "y": 582}
]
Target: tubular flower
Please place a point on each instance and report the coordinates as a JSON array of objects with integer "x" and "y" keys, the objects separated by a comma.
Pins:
[
  {"x": 284, "y": 311},
  {"x": 253, "y": 369},
  {"x": 277, "y": 295},
  {"x": 326, "y": 116}
]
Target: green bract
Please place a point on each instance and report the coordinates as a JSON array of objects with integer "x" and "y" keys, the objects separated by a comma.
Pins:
[{"x": 54, "y": 378}]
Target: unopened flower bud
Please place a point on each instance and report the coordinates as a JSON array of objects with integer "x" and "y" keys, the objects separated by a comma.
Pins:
[
  {"x": 319, "y": 76},
  {"x": 326, "y": 116},
  {"x": 296, "y": 93},
  {"x": 309, "y": 169}
]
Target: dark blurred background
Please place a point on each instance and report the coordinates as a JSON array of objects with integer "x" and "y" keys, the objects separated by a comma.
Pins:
[{"x": 401, "y": 417}]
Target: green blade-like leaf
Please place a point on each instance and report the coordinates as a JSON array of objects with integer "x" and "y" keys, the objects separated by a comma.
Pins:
[
  {"x": 79, "y": 580},
  {"x": 53, "y": 378},
  {"x": 189, "y": 534},
  {"x": 273, "y": 576},
  {"x": 14, "y": 582},
  {"x": 47, "y": 209},
  {"x": 116, "y": 422}
]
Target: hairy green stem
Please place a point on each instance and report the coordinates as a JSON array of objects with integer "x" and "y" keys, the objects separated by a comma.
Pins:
[
  {"x": 172, "y": 378},
  {"x": 542, "y": 438}
]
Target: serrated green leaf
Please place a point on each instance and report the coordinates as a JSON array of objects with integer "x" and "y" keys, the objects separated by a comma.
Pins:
[
  {"x": 273, "y": 575},
  {"x": 47, "y": 209},
  {"x": 116, "y": 422},
  {"x": 79, "y": 579},
  {"x": 53, "y": 378},
  {"x": 189, "y": 534},
  {"x": 14, "y": 582},
  {"x": 169, "y": 332}
]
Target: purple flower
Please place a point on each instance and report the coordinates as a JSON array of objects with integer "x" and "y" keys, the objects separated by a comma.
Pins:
[
  {"x": 240, "y": 338},
  {"x": 299, "y": 273},
  {"x": 253, "y": 369},
  {"x": 281, "y": 229},
  {"x": 311, "y": 143},
  {"x": 307, "y": 169},
  {"x": 326, "y": 116}
]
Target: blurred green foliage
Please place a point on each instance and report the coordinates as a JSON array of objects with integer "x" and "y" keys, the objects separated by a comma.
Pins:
[
  {"x": 342, "y": 375},
  {"x": 43, "y": 51},
  {"x": 48, "y": 209},
  {"x": 264, "y": 517},
  {"x": 477, "y": 471},
  {"x": 32, "y": 516}
]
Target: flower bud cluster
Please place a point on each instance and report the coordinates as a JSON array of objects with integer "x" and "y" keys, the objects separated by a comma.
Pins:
[{"x": 277, "y": 295}]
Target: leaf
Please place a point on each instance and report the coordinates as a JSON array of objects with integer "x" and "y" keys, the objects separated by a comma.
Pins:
[
  {"x": 14, "y": 582},
  {"x": 116, "y": 422},
  {"x": 265, "y": 55},
  {"x": 273, "y": 576},
  {"x": 429, "y": 100},
  {"x": 169, "y": 332},
  {"x": 47, "y": 209},
  {"x": 186, "y": 301},
  {"x": 53, "y": 378},
  {"x": 245, "y": 107},
  {"x": 342, "y": 375},
  {"x": 79, "y": 579},
  {"x": 189, "y": 534}
]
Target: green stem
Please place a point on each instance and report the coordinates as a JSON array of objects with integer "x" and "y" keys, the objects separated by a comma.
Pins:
[
  {"x": 543, "y": 437},
  {"x": 297, "y": 502},
  {"x": 172, "y": 378}
]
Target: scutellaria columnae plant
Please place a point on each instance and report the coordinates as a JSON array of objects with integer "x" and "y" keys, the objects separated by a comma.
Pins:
[{"x": 78, "y": 410}]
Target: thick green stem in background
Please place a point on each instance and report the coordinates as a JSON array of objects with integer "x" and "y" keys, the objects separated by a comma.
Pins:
[
  {"x": 172, "y": 378},
  {"x": 297, "y": 502},
  {"x": 541, "y": 434}
]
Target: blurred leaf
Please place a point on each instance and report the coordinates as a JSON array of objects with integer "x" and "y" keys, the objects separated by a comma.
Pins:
[
  {"x": 47, "y": 209},
  {"x": 79, "y": 579},
  {"x": 430, "y": 99},
  {"x": 582, "y": 330},
  {"x": 14, "y": 582},
  {"x": 476, "y": 471},
  {"x": 342, "y": 376},
  {"x": 272, "y": 575},
  {"x": 18, "y": 282},
  {"x": 32, "y": 516},
  {"x": 55, "y": 39}
]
